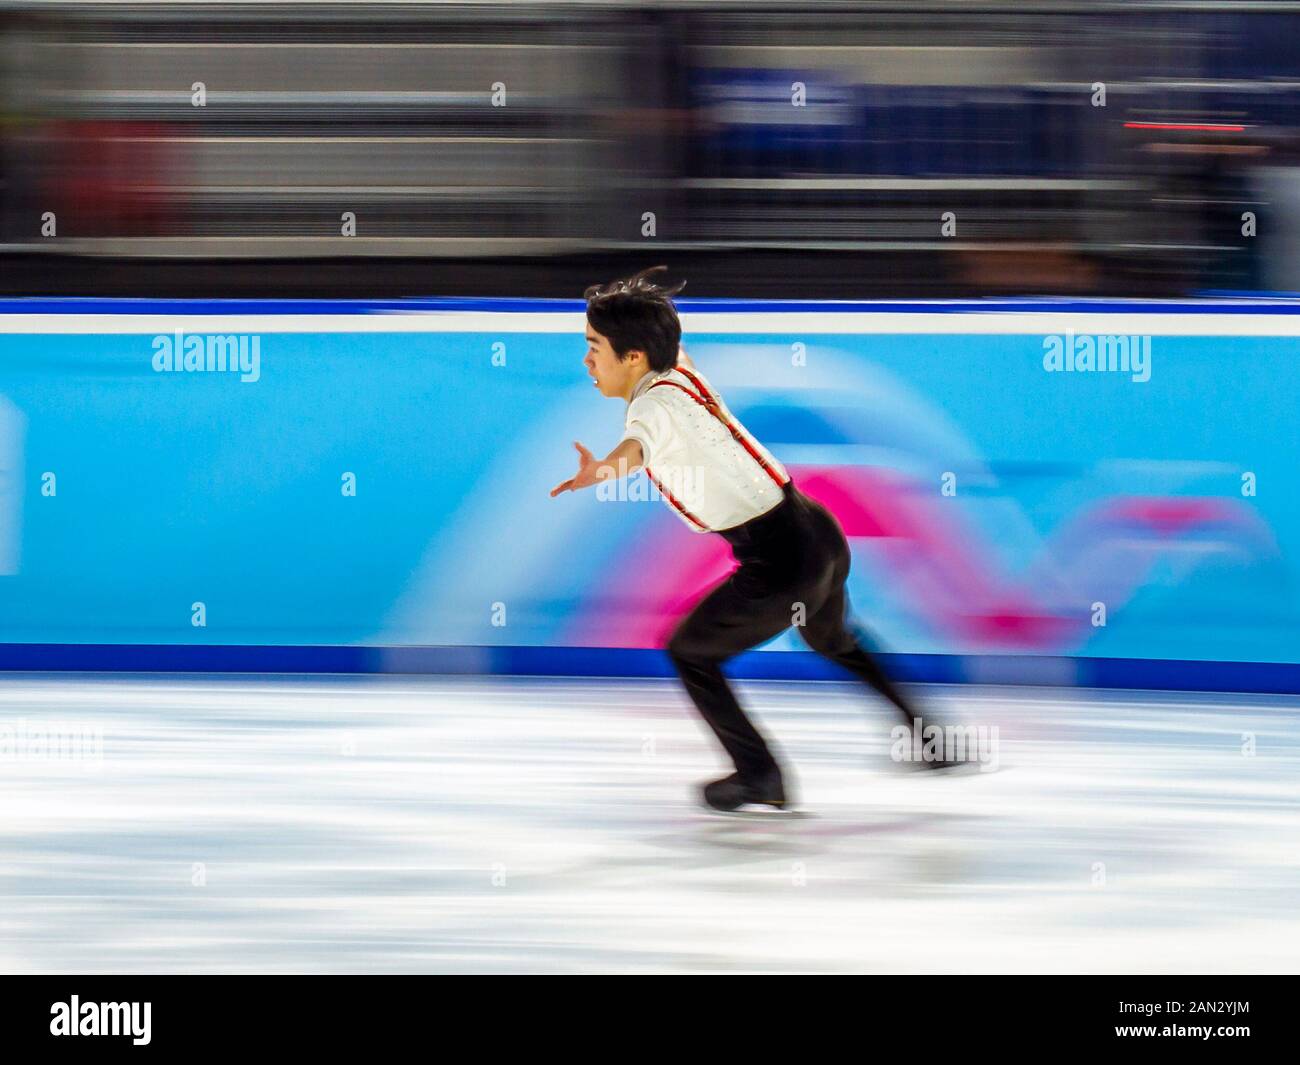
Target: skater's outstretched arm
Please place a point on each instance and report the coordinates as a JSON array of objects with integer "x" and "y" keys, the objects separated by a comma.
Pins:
[{"x": 622, "y": 461}]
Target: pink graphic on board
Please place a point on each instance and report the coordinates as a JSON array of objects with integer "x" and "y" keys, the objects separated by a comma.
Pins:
[{"x": 942, "y": 568}]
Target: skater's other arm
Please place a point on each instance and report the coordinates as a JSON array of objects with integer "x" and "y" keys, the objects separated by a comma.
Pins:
[
  {"x": 622, "y": 461},
  {"x": 683, "y": 359}
]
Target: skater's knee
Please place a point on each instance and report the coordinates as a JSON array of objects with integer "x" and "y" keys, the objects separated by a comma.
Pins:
[
  {"x": 828, "y": 641},
  {"x": 680, "y": 648},
  {"x": 685, "y": 648}
]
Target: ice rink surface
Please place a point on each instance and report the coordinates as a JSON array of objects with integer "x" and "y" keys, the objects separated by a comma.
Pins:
[{"x": 467, "y": 825}]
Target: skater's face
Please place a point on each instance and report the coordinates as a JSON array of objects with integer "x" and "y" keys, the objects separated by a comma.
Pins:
[{"x": 612, "y": 375}]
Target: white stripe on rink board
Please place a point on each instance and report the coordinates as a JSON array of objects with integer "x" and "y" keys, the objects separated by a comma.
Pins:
[{"x": 779, "y": 322}]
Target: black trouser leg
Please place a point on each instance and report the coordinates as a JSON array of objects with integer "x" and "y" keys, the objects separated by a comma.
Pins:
[
  {"x": 828, "y": 633},
  {"x": 793, "y": 563},
  {"x": 722, "y": 625}
]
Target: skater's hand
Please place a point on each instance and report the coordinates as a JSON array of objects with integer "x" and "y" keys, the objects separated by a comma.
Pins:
[
  {"x": 624, "y": 460},
  {"x": 588, "y": 467}
]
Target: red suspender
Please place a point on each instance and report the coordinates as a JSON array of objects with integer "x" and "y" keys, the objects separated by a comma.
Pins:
[
  {"x": 674, "y": 501},
  {"x": 709, "y": 403}
]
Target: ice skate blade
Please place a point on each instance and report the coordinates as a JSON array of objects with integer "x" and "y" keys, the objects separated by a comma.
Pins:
[
  {"x": 947, "y": 770},
  {"x": 968, "y": 769},
  {"x": 759, "y": 812}
]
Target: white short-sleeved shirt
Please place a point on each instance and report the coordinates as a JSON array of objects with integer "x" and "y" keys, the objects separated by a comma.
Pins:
[{"x": 700, "y": 469}]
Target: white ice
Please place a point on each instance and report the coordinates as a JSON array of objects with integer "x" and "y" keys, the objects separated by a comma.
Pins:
[{"x": 530, "y": 825}]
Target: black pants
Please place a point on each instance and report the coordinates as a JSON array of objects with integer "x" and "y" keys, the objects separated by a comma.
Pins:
[{"x": 794, "y": 561}]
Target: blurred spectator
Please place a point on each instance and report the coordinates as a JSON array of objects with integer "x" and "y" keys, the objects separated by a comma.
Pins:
[{"x": 938, "y": 147}]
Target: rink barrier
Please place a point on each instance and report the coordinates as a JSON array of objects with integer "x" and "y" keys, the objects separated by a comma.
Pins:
[
  {"x": 557, "y": 661},
  {"x": 1042, "y": 670}
]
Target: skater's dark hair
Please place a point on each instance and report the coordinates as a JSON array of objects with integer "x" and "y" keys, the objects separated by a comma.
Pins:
[{"x": 637, "y": 314}]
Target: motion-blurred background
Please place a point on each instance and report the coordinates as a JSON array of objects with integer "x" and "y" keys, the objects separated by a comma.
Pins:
[
  {"x": 369, "y": 494},
  {"x": 782, "y": 149}
]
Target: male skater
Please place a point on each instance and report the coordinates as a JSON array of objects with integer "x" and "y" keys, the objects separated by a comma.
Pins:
[{"x": 793, "y": 556}]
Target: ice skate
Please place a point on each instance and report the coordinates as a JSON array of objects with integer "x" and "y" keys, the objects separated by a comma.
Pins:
[{"x": 733, "y": 794}]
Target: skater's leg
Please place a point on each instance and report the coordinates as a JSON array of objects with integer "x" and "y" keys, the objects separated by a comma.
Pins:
[
  {"x": 725, "y": 623},
  {"x": 828, "y": 632}
]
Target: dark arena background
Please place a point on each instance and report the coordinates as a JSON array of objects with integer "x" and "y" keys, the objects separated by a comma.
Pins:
[{"x": 305, "y": 671}]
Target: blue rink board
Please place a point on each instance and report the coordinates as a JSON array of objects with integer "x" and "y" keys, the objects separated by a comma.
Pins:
[{"x": 176, "y": 488}]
